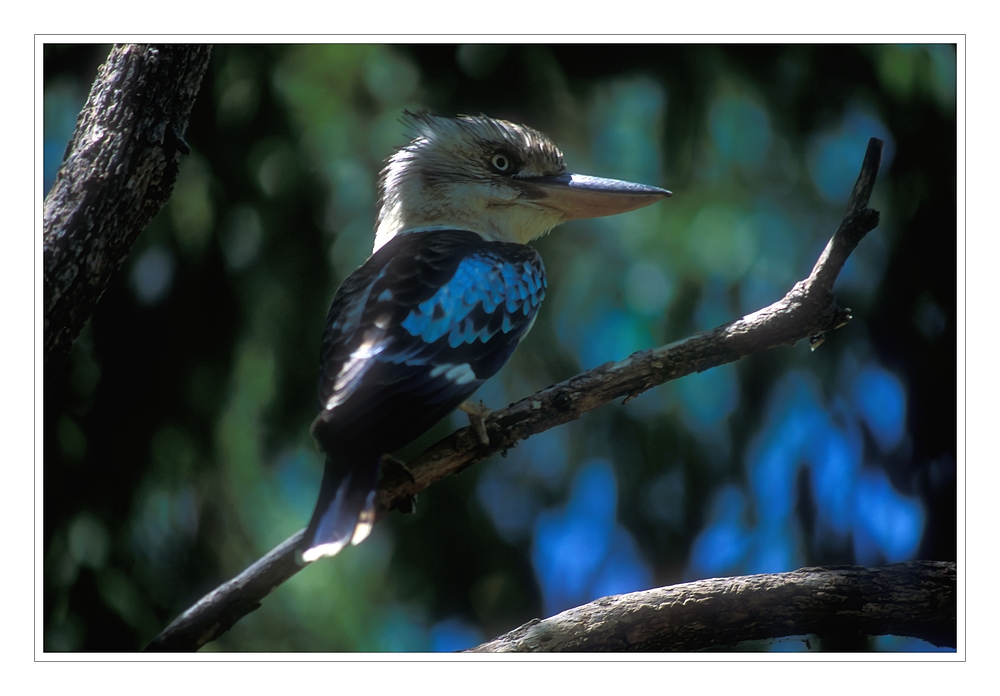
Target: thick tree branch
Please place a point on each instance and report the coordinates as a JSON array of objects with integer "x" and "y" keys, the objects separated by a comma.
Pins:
[
  {"x": 118, "y": 172},
  {"x": 808, "y": 311},
  {"x": 915, "y": 599}
]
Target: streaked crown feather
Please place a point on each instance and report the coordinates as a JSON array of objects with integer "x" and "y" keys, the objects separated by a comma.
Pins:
[{"x": 457, "y": 151}]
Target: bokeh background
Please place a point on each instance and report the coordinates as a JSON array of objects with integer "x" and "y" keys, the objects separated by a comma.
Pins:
[{"x": 176, "y": 439}]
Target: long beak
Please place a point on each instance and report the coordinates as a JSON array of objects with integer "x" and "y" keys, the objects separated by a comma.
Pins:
[{"x": 578, "y": 196}]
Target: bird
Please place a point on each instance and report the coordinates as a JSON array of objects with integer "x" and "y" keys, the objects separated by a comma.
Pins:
[{"x": 450, "y": 290}]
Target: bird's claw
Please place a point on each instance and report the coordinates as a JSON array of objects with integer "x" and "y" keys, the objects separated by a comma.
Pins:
[{"x": 477, "y": 414}]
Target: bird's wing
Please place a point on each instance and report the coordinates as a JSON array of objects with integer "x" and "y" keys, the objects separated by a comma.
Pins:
[{"x": 413, "y": 332}]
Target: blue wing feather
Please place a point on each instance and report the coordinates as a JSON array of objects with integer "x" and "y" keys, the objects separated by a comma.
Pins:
[
  {"x": 403, "y": 326},
  {"x": 483, "y": 279}
]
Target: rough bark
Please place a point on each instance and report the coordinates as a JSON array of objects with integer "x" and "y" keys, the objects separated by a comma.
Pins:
[
  {"x": 915, "y": 599},
  {"x": 808, "y": 311},
  {"x": 118, "y": 172}
]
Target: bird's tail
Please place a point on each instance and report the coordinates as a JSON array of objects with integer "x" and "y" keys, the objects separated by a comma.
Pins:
[{"x": 345, "y": 511}]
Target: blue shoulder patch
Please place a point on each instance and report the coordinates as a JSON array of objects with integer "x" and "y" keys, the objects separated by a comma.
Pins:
[{"x": 484, "y": 284}]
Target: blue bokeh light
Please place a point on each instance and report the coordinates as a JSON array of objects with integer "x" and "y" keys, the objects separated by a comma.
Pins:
[
  {"x": 511, "y": 490},
  {"x": 400, "y": 629},
  {"x": 579, "y": 551},
  {"x": 774, "y": 550},
  {"x": 887, "y": 524},
  {"x": 721, "y": 548},
  {"x": 741, "y": 131},
  {"x": 834, "y": 156},
  {"x": 761, "y": 531},
  {"x": 713, "y": 307},
  {"x": 709, "y": 397},
  {"x": 880, "y": 399},
  {"x": 615, "y": 335},
  {"x": 775, "y": 268},
  {"x": 626, "y": 121},
  {"x": 623, "y": 570},
  {"x": 510, "y": 503},
  {"x": 648, "y": 288},
  {"x": 452, "y": 635},
  {"x": 835, "y": 462}
]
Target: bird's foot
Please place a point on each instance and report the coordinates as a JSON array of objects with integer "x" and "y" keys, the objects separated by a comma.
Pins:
[{"x": 477, "y": 414}]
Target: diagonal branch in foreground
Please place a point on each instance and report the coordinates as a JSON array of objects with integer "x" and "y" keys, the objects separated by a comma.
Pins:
[
  {"x": 915, "y": 599},
  {"x": 808, "y": 311}
]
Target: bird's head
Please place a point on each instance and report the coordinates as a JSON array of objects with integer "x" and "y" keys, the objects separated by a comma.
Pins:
[{"x": 504, "y": 181}]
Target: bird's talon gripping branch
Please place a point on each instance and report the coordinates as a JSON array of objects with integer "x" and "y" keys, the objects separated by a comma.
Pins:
[
  {"x": 844, "y": 317},
  {"x": 407, "y": 505},
  {"x": 629, "y": 397},
  {"x": 477, "y": 413},
  {"x": 448, "y": 293}
]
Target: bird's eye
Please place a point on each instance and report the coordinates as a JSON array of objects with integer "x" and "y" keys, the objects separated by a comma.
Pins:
[{"x": 501, "y": 162}]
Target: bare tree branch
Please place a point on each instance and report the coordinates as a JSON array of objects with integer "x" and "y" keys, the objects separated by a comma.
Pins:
[
  {"x": 118, "y": 172},
  {"x": 808, "y": 311},
  {"x": 915, "y": 599}
]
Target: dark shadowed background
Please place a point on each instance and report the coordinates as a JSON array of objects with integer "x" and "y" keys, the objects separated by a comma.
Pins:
[{"x": 176, "y": 441}]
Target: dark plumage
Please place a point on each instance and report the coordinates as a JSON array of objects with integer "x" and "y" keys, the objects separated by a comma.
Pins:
[{"x": 443, "y": 302}]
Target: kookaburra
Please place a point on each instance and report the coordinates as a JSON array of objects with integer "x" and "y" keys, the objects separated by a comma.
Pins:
[{"x": 451, "y": 289}]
